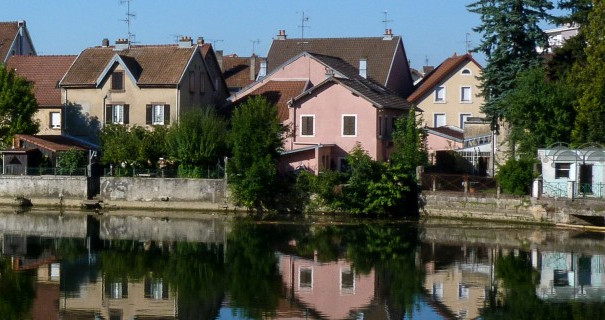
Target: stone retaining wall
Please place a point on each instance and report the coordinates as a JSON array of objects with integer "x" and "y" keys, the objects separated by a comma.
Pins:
[{"x": 69, "y": 187}]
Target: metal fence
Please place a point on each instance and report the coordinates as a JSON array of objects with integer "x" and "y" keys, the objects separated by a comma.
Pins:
[
  {"x": 42, "y": 171},
  {"x": 211, "y": 172},
  {"x": 554, "y": 189},
  {"x": 458, "y": 183}
]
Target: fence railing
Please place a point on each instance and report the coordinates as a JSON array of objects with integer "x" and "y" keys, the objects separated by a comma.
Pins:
[
  {"x": 458, "y": 183},
  {"x": 41, "y": 171},
  {"x": 554, "y": 189},
  {"x": 213, "y": 172}
]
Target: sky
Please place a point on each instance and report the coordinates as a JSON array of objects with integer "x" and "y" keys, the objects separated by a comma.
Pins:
[{"x": 431, "y": 29}]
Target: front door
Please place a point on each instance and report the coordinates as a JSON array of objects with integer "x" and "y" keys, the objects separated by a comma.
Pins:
[{"x": 586, "y": 179}]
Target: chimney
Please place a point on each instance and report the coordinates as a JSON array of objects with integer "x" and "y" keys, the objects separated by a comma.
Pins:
[
  {"x": 200, "y": 41},
  {"x": 185, "y": 42},
  {"x": 105, "y": 43},
  {"x": 122, "y": 44},
  {"x": 253, "y": 67},
  {"x": 219, "y": 59},
  {"x": 21, "y": 23},
  {"x": 281, "y": 35},
  {"x": 388, "y": 34},
  {"x": 263, "y": 69}
]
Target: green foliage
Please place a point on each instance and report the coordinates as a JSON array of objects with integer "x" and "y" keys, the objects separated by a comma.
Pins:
[
  {"x": 17, "y": 292},
  {"x": 578, "y": 11},
  {"x": 511, "y": 33},
  {"x": 590, "y": 77},
  {"x": 409, "y": 143},
  {"x": 118, "y": 145},
  {"x": 71, "y": 160},
  {"x": 17, "y": 107},
  {"x": 199, "y": 138},
  {"x": 540, "y": 111},
  {"x": 363, "y": 171},
  {"x": 516, "y": 176},
  {"x": 256, "y": 136},
  {"x": 389, "y": 194}
]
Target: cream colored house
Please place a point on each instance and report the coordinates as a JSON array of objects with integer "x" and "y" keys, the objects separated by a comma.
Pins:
[
  {"x": 449, "y": 95},
  {"x": 144, "y": 85}
]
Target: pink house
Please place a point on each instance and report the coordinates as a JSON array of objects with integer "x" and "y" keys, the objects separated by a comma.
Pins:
[
  {"x": 329, "y": 106},
  {"x": 443, "y": 138}
]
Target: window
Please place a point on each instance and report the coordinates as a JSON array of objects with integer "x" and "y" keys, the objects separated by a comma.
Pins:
[
  {"x": 55, "y": 120},
  {"x": 305, "y": 278},
  {"x": 463, "y": 118},
  {"x": 466, "y": 72},
  {"x": 463, "y": 291},
  {"x": 363, "y": 68},
  {"x": 156, "y": 289},
  {"x": 347, "y": 281},
  {"x": 562, "y": 170},
  {"x": 440, "y": 94},
  {"x": 192, "y": 81},
  {"x": 439, "y": 120},
  {"x": 307, "y": 125},
  {"x": 117, "y": 114},
  {"x": 157, "y": 114},
  {"x": 438, "y": 291},
  {"x": 465, "y": 94},
  {"x": 117, "y": 80},
  {"x": 349, "y": 125},
  {"x": 117, "y": 290}
]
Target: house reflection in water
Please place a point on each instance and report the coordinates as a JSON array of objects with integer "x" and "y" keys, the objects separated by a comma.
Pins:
[{"x": 331, "y": 290}]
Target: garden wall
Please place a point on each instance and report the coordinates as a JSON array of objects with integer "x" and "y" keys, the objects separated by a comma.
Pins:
[{"x": 68, "y": 187}]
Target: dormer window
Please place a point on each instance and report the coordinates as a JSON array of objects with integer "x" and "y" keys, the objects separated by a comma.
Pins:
[{"x": 117, "y": 80}]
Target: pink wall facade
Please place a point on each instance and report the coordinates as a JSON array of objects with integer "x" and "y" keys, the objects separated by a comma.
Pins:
[
  {"x": 436, "y": 143},
  {"x": 326, "y": 292}
]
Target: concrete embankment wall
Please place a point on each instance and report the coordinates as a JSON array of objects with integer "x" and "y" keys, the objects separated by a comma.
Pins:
[
  {"x": 163, "y": 192},
  {"x": 53, "y": 187},
  {"x": 468, "y": 206}
]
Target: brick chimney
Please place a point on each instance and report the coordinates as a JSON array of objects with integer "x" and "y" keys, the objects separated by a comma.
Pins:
[
  {"x": 388, "y": 34},
  {"x": 122, "y": 44},
  {"x": 185, "y": 42},
  {"x": 105, "y": 43},
  {"x": 253, "y": 67},
  {"x": 281, "y": 35},
  {"x": 200, "y": 41},
  {"x": 219, "y": 59}
]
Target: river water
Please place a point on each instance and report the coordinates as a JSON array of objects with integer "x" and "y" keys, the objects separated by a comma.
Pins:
[{"x": 119, "y": 267}]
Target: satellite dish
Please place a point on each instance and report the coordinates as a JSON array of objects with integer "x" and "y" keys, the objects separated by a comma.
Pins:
[{"x": 545, "y": 159}]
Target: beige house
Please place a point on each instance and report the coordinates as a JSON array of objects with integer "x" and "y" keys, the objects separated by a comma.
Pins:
[
  {"x": 144, "y": 85},
  {"x": 449, "y": 95}
]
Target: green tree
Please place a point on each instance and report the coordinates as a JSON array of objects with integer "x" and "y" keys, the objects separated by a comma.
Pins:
[
  {"x": 118, "y": 145},
  {"x": 17, "y": 106},
  {"x": 510, "y": 36},
  {"x": 256, "y": 136},
  {"x": 540, "y": 111},
  {"x": 199, "y": 138},
  {"x": 516, "y": 176},
  {"x": 409, "y": 143},
  {"x": 590, "y": 75},
  {"x": 71, "y": 160}
]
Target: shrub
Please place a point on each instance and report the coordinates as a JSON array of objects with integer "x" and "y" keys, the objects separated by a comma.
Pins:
[{"x": 516, "y": 176}]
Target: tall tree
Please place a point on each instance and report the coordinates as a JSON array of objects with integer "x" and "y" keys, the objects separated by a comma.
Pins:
[
  {"x": 510, "y": 37},
  {"x": 17, "y": 106},
  {"x": 590, "y": 122},
  {"x": 256, "y": 136}
]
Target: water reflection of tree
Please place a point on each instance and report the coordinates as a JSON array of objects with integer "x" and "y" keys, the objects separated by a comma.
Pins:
[
  {"x": 17, "y": 292},
  {"x": 518, "y": 299}
]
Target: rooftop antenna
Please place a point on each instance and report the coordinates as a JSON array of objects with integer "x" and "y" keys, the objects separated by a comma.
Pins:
[
  {"x": 468, "y": 42},
  {"x": 386, "y": 20},
  {"x": 215, "y": 41},
  {"x": 128, "y": 20},
  {"x": 302, "y": 25},
  {"x": 176, "y": 37},
  {"x": 426, "y": 60},
  {"x": 254, "y": 43}
]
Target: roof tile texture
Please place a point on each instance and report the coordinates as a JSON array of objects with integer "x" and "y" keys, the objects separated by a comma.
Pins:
[
  {"x": 236, "y": 71},
  {"x": 44, "y": 72},
  {"x": 278, "y": 93},
  {"x": 8, "y": 32}
]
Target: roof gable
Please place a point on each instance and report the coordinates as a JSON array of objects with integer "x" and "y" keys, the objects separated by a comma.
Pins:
[
  {"x": 378, "y": 52},
  {"x": 128, "y": 67},
  {"x": 439, "y": 74},
  {"x": 278, "y": 93},
  {"x": 8, "y": 34},
  {"x": 149, "y": 65}
]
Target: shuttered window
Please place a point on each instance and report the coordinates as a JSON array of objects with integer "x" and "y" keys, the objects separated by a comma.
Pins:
[
  {"x": 157, "y": 114},
  {"x": 349, "y": 125},
  {"x": 117, "y": 114},
  {"x": 307, "y": 125},
  {"x": 117, "y": 80}
]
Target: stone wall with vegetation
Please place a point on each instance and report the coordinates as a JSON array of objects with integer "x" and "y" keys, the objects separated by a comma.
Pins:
[{"x": 68, "y": 187}]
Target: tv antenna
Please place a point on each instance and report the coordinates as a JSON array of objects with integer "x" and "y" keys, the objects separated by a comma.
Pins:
[
  {"x": 254, "y": 43},
  {"x": 215, "y": 41},
  {"x": 386, "y": 20},
  {"x": 426, "y": 60},
  {"x": 302, "y": 25},
  {"x": 468, "y": 42},
  {"x": 129, "y": 16}
]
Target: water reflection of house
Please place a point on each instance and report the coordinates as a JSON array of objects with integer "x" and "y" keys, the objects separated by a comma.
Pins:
[
  {"x": 48, "y": 292},
  {"x": 148, "y": 298},
  {"x": 333, "y": 290},
  {"x": 458, "y": 289},
  {"x": 570, "y": 276}
]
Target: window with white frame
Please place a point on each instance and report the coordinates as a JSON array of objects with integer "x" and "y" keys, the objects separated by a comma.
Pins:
[
  {"x": 438, "y": 291},
  {"x": 463, "y": 118},
  {"x": 118, "y": 114},
  {"x": 347, "y": 281},
  {"x": 465, "y": 94},
  {"x": 463, "y": 291},
  {"x": 158, "y": 114},
  {"x": 363, "y": 68},
  {"x": 305, "y": 278},
  {"x": 440, "y": 94},
  {"x": 562, "y": 170},
  {"x": 349, "y": 125},
  {"x": 307, "y": 125},
  {"x": 438, "y": 120},
  {"x": 55, "y": 120}
]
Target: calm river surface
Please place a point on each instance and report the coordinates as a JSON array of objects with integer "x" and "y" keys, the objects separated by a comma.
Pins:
[{"x": 118, "y": 267}]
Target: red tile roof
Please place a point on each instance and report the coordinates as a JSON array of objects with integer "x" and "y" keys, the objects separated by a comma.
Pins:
[
  {"x": 8, "y": 32},
  {"x": 378, "y": 52},
  {"x": 44, "y": 72},
  {"x": 438, "y": 74},
  {"x": 154, "y": 64},
  {"x": 53, "y": 143},
  {"x": 236, "y": 71},
  {"x": 278, "y": 93}
]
